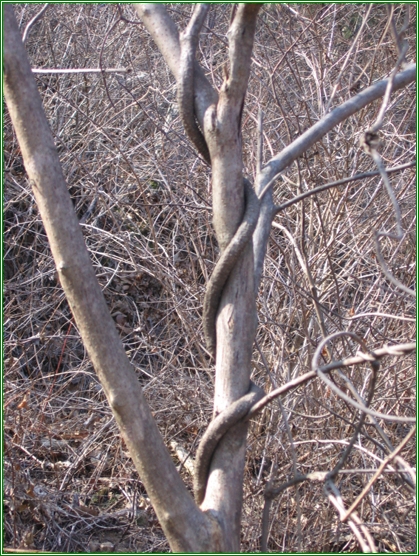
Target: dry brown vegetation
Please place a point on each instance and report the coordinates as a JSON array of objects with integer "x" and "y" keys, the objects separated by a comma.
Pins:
[{"x": 144, "y": 204}]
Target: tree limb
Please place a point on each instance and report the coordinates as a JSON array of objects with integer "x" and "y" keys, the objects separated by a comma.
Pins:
[
  {"x": 186, "y": 527},
  {"x": 32, "y": 22},
  {"x": 298, "y": 147},
  {"x": 186, "y": 89},
  {"x": 282, "y": 160},
  {"x": 399, "y": 350},
  {"x": 166, "y": 36}
]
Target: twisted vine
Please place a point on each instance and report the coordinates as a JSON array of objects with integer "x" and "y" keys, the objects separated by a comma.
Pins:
[{"x": 240, "y": 408}]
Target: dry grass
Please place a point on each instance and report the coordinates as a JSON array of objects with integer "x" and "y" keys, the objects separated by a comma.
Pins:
[{"x": 143, "y": 200}]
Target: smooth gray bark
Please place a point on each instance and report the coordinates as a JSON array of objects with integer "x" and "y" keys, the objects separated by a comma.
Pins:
[
  {"x": 187, "y": 528},
  {"x": 298, "y": 147},
  {"x": 219, "y": 116}
]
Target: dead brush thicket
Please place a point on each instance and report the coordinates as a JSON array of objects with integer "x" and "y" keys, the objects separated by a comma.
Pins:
[{"x": 143, "y": 200}]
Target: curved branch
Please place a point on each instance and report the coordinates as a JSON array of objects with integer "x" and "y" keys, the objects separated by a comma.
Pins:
[
  {"x": 214, "y": 433},
  {"x": 399, "y": 350},
  {"x": 278, "y": 163},
  {"x": 186, "y": 87},
  {"x": 32, "y": 23},
  {"x": 282, "y": 160},
  {"x": 367, "y": 357},
  {"x": 166, "y": 36}
]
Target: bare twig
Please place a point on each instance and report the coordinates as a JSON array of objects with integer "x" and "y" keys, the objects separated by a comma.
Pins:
[
  {"x": 377, "y": 474},
  {"x": 366, "y": 541},
  {"x": 402, "y": 47},
  {"x": 266, "y": 507},
  {"x": 80, "y": 70},
  {"x": 399, "y": 350},
  {"x": 371, "y": 358},
  {"x": 343, "y": 181},
  {"x": 32, "y": 22},
  {"x": 386, "y": 270},
  {"x": 348, "y": 56}
]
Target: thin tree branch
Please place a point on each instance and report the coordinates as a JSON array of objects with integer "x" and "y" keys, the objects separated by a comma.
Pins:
[
  {"x": 369, "y": 141},
  {"x": 166, "y": 36},
  {"x": 285, "y": 158},
  {"x": 80, "y": 70},
  {"x": 326, "y": 186},
  {"x": 267, "y": 507},
  {"x": 32, "y": 22},
  {"x": 386, "y": 270},
  {"x": 399, "y": 350},
  {"x": 402, "y": 47},
  {"x": 348, "y": 56},
  {"x": 377, "y": 474},
  {"x": 366, "y": 542}
]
